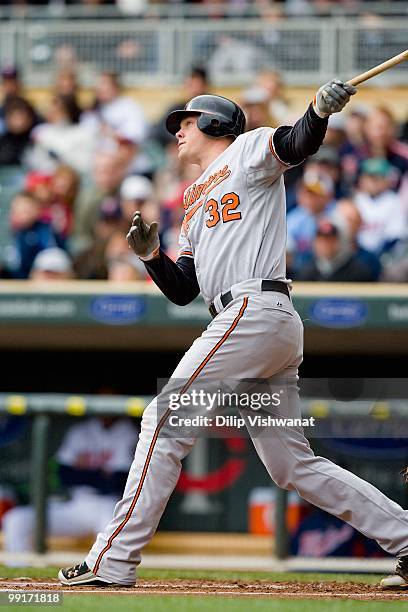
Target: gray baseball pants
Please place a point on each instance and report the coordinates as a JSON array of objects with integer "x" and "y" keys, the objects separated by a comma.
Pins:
[{"x": 258, "y": 335}]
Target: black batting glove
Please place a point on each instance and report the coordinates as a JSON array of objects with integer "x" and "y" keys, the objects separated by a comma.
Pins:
[
  {"x": 332, "y": 97},
  {"x": 143, "y": 239}
]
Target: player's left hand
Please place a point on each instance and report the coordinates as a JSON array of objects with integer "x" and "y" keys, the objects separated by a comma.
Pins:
[
  {"x": 143, "y": 239},
  {"x": 332, "y": 97}
]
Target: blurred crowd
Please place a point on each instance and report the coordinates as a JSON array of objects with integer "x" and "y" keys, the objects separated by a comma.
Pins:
[
  {"x": 222, "y": 8},
  {"x": 79, "y": 174}
]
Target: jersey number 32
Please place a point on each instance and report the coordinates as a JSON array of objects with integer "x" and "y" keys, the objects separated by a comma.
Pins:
[{"x": 229, "y": 203}]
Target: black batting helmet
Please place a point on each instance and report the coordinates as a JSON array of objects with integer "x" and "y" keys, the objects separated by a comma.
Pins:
[{"x": 218, "y": 116}]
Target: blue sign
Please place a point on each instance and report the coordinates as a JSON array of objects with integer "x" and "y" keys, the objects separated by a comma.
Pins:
[
  {"x": 339, "y": 312},
  {"x": 117, "y": 309}
]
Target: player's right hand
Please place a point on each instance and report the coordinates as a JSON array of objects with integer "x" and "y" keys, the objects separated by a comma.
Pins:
[
  {"x": 143, "y": 239},
  {"x": 332, "y": 97}
]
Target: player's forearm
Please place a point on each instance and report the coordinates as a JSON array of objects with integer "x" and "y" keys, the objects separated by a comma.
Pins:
[
  {"x": 177, "y": 280},
  {"x": 294, "y": 144}
]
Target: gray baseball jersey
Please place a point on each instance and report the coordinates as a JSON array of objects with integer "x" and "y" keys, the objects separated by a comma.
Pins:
[{"x": 235, "y": 216}]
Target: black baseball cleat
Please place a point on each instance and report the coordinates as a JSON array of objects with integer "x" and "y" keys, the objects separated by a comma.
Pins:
[
  {"x": 81, "y": 574},
  {"x": 399, "y": 580}
]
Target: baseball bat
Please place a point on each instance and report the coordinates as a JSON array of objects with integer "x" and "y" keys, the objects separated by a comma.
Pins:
[{"x": 393, "y": 61}]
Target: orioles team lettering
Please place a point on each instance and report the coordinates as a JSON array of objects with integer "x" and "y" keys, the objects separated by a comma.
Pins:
[
  {"x": 196, "y": 191},
  {"x": 190, "y": 203}
]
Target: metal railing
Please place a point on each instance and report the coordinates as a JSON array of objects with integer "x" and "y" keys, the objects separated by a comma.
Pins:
[{"x": 158, "y": 52}]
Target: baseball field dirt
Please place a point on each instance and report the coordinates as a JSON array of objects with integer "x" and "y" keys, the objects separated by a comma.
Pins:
[{"x": 202, "y": 590}]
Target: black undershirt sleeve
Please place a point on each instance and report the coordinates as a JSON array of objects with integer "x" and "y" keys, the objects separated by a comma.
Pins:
[
  {"x": 177, "y": 280},
  {"x": 294, "y": 144}
]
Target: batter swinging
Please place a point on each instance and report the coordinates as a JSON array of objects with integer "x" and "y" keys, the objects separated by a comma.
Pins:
[{"x": 232, "y": 250}]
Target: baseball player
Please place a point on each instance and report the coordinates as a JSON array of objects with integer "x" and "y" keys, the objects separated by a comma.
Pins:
[
  {"x": 232, "y": 250},
  {"x": 94, "y": 476}
]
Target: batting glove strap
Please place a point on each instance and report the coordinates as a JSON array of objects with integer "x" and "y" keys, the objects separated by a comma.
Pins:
[
  {"x": 152, "y": 255},
  {"x": 332, "y": 97}
]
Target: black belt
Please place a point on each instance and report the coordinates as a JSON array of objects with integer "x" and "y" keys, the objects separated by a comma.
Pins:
[{"x": 266, "y": 285}]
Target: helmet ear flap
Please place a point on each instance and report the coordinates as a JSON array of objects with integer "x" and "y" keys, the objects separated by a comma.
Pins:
[
  {"x": 215, "y": 127},
  {"x": 211, "y": 126},
  {"x": 204, "y": 123}
]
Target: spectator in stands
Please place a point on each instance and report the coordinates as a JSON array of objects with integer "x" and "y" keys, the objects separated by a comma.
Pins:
[
  {"x": 52, "y": 211},
  {"x": 381, "y": 209},
  {"x": 39, "y": 185},
  {"x": 395, "y": 263},
  {"x": 90, "y": 264},
  {"x": 121, "y": 264},
  {"x": 271, "y": 82},
  {"x": 355, "y": 121},
  {"x": 355, "y": 140},
  {"x": 62, "y": 139},
  {"x": 19, "y": 120},
  {"x": 99, "y": 201},
  {"x": 334, "y": 258},
  {"x": 56, "y": 193},
  {"x": 93, "y": 463},
  {"x": 348, "y": 215},
  {"x": 64, "y": 187},
  {"x": 174, "y": 176},
  {"x": 119, "y": 117},
  {"x": 11, "y": 87},
  {"x": 380, "y": 131},
  {"x": 66, "y": 84},
  {"x": 31, "y": 234},
  {"x": 315, "y": 199},
  {"x": 327, "y": 161},
  {"x": 336, "y": 131},
  {"x": 195, "y": 84},
  {"x": 52, "y": 264},
  {"x": 136, "y": 193},
  {"x": 170, "y": 183},
  {"x": 254, "y": 103}
]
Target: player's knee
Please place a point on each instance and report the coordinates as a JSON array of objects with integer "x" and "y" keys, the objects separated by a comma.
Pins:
[
  {"x": 290, "y": 470},
  {"x": 296, "y": 473},
  {"x": 283, "y": 475},
  {"x": 173, "y": 449}
]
